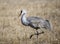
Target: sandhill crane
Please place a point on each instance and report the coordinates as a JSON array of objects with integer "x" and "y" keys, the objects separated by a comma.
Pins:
[{"x": 34, "y": 22}]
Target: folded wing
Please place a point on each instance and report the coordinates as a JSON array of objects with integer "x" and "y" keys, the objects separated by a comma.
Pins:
[{"x": 38, "y": 22}]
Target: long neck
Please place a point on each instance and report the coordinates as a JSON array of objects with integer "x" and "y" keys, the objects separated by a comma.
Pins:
[{"x": 23, "y": 18}]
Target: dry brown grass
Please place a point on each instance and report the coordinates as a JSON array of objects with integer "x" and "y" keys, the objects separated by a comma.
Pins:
[{"x": 13, "y": 32}]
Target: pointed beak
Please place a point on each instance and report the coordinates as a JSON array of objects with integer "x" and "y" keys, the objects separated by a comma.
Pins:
[{"x": 20, "y": 14}]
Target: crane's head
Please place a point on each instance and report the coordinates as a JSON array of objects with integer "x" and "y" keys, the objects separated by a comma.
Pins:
[{"x": 23, "y": 12}]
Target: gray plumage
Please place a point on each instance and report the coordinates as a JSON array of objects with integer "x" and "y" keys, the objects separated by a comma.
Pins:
[
  {"x": 39, "y": 22},
  {"x": 34, "y": 22}
]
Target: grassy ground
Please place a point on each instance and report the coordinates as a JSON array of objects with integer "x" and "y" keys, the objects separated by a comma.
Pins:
[{"x": 13, "y": 32}]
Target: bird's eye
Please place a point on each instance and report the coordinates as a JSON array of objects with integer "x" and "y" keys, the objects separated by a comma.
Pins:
[{"x": 21, "y": 11}]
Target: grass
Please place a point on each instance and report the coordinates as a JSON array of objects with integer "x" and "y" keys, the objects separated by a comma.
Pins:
[{"x": 13, "y": 32}]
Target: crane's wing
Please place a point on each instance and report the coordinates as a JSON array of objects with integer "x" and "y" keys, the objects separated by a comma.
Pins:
[
  {"x": 39, "y": 22},
  {"x": 34, "y": 21}
]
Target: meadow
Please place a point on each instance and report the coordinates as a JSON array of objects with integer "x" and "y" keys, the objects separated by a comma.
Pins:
[{"x": 13, "y": 32}]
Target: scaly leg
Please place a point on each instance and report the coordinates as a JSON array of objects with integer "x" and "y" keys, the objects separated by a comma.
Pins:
[{"x": 36, "y": 34}]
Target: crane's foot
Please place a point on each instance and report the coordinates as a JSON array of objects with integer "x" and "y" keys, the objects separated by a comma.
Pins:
[{"x": 36, "y": 34}]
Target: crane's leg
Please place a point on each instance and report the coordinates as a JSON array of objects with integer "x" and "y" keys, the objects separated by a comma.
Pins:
[{"x": 36, "y": 33}]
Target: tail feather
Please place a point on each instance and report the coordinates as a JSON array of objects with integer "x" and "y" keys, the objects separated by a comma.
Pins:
[{"x": 48, "y": 25}]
